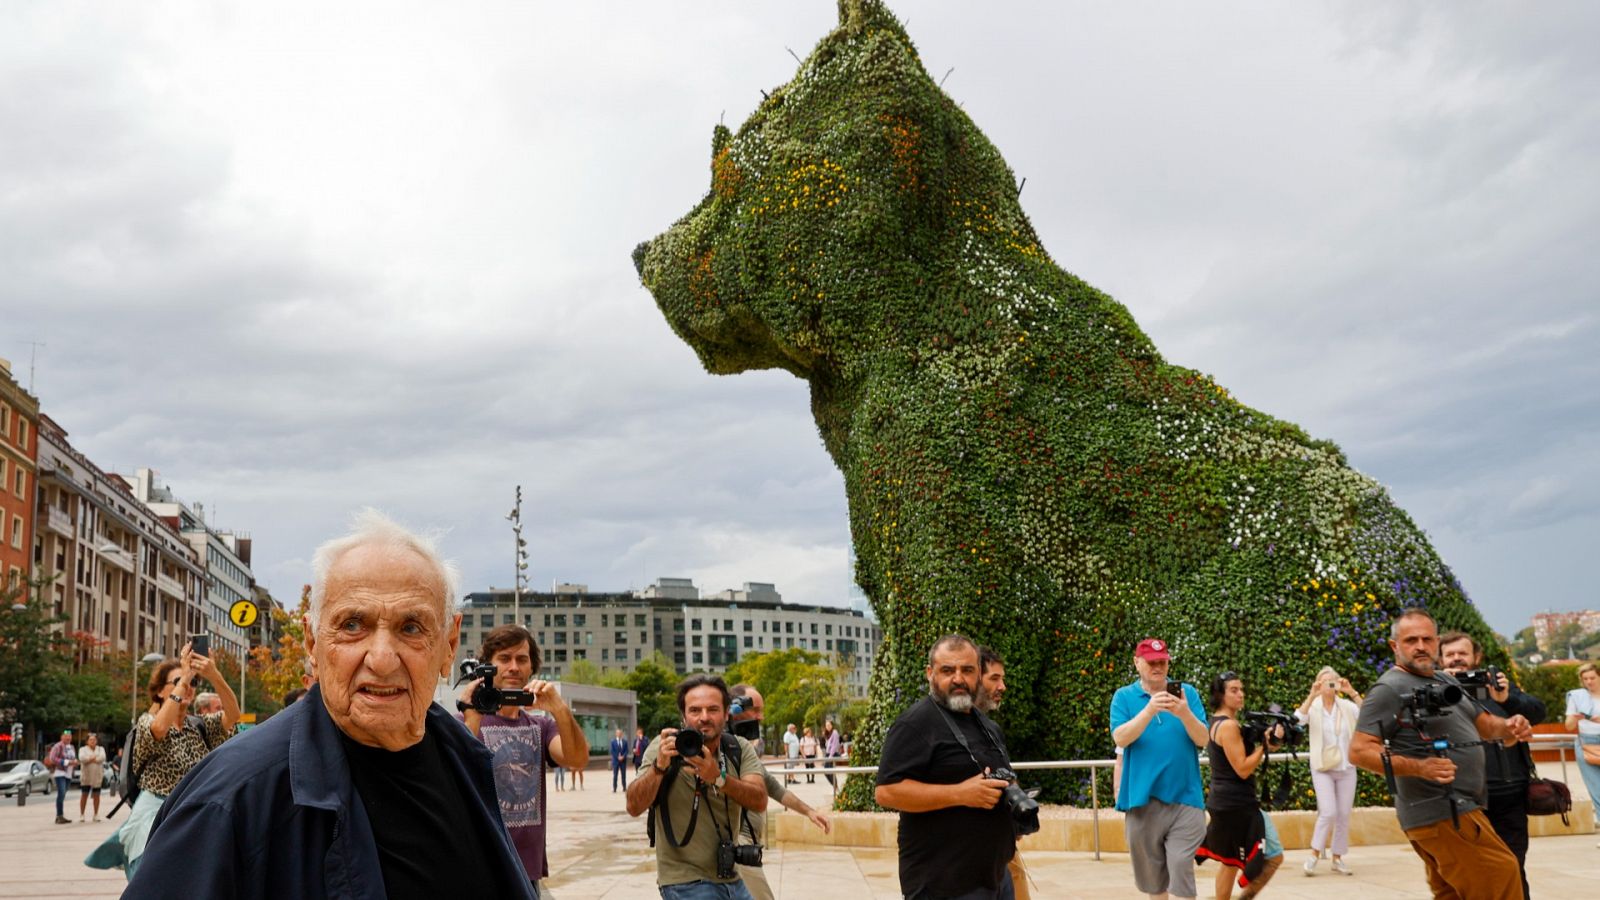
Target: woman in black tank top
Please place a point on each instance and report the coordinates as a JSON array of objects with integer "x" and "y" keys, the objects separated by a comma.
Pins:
[{"x": 1234, "y": 836}]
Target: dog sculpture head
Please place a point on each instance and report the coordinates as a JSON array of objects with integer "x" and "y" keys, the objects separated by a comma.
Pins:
[{"x": 832, "y": 212}]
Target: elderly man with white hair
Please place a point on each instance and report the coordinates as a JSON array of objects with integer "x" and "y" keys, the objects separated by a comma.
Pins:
[{"x": 366, "y": 789}]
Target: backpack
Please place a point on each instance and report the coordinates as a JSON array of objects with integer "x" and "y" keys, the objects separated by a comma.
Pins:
[
  {"x": 729, "y": 746},
  {"x": 129, "y": 775}
]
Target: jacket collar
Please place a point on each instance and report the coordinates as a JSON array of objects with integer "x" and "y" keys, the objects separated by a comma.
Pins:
[{"x": 318, "y": 771}]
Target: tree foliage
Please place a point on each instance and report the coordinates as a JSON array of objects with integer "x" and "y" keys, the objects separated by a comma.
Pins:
[
  {"x": 1022, "y": 464},
  {"x": 798, "y": 686},
  {"x": 655, "y": 684}
]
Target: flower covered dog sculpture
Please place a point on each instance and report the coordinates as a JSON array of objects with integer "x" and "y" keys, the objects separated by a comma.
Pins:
[{"x": 1022, "y": 465}]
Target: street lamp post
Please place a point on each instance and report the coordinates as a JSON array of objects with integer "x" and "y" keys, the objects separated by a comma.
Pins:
[
  {"x": 515, "y": 518},
  {"x": 147, "y": 659}
]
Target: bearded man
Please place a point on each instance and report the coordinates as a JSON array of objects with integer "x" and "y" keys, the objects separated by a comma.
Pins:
[{"x": 955, "y": 835}]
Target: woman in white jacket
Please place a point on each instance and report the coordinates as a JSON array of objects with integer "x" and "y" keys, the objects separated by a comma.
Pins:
[{"x": 1331, "y": 721}]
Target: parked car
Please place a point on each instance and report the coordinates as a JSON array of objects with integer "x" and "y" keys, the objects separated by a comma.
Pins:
[{"x": 24, "y": 776}]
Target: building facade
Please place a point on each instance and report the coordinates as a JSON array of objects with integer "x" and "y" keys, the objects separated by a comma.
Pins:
[
  {"x": 126, "y": 581},
  {"x": 616, "y": 631},
  {"x": 19, "y": 455},
  {"x": 225, "y": 556},
  {"x": 1546, "y": 624}
]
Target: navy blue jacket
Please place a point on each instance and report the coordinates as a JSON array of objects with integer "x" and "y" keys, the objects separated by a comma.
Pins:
[{"x": 273, "y": 814}]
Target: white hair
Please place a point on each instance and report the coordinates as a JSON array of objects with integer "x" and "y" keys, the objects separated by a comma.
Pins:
[
  {"x": 1327, "y": 671},
  {"x": 371, "y": 528}
]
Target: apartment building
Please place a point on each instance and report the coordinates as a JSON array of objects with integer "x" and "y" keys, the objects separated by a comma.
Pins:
[
  {"x": 615, "y": 631},
  {"x": 19, "y": 454},
  {"x": 126, "y": 581}
]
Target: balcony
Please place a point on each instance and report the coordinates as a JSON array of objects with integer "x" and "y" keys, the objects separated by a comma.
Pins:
[
  {"x": 58, "y": 521},
  {"x": 115, "y": 555},
  {"x": 170, "y": 586}
]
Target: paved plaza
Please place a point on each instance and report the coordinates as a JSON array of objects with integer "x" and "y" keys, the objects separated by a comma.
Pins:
[{"x": 598, "y": 853}]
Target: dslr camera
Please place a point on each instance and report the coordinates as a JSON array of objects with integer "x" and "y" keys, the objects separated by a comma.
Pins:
[
  {"x": 488, "y": 698},
  {"x": 690, "y": 743},
  {"x": 730, "y": 854},
  {"x": 1255, "y": 725},
  {"x": 1024, "y": 809}
]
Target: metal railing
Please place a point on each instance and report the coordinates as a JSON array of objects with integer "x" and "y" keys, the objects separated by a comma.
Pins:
[{"x": 1561, "y": 743}]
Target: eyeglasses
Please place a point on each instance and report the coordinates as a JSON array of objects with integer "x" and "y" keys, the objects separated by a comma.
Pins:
[{"x": 193, "y": 682}]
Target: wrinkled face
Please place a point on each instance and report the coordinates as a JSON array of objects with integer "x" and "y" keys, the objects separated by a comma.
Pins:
[
  {"x": 1152, "y": 671},
  {"x": 703, "y": 711},
  {"x": 381, "y": 645},
  {"x": 953, "y": 677},
  {"x": 1417, "y": 648},
  {"x": 513, "y": 667},
  {"x": 1457, "y": 656},
  {"x": 992, "y": 688}
]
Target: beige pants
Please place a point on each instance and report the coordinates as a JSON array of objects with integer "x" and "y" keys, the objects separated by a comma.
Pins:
[
  {"x": 1019, "y": 876},
  {"x": 755, "y": 881}
]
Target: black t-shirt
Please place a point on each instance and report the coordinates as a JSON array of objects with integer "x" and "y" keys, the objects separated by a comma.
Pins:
[
  {"x": 428, "y": 844},
  {"x": 952, "y": 851}
]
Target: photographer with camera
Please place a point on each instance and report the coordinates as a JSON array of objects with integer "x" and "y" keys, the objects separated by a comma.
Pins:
[
  {"x": 693, "y": 772},
  {"x": 493, "y": 705},
  {"x": 1423, "y": 733},
  {"x": 1507, "y": 769},
  {"x": 1331, "y": 720},
  {"x": 1236, "y": 834},
  {"x": 1157, "y": 724},
  {"x": 745, "y": 715},
  {"x": 944, "y": 767}
]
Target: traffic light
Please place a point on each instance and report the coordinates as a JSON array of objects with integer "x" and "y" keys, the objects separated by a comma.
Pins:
[{"x": 16, "y": 731}]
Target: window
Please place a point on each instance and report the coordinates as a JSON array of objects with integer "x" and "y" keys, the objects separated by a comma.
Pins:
[
  {"x": 813, "y": 630},
  {"x": 727, "y": 624},
  {"x": 638, "y": 620},
  {"x": 604, "y": 620},
  {"x": 540, "y": 638},
  {"x": 677, "y": 624},
  {"x": 620, "y": 637},
  {"x": 695, "y": 625},
  {"x": 748, "y": 642},
  {"x": 16, "y": 531},
  {"x": 507, "y": 619},
  {"x": 644, "y": 638},
  {"x": 559, "y": 656},
  {"x": 579, "y": 620},
  {"x": 22, "y": 433},
  {"x": 605, "y": 654},
  {"x": 5, "y": 420},
  {"x": 638, "y": 654},
  {"x": 2, "y": 470},
  {"x": 788, "y": 628},
  {"x": 561, "y": 638},
  {"x": 748, "y": 625},
  {"x": 699, "y": 658},
  {"x": 580, "y": 654},
  {"x": 697, "y": 640},
  {"x": 547, "y": 620},
  {"x": 724, "y": 652},
  {"x": 828, "y": 644},
  {"x": 588, "y": 638},
  {"x": 827, "y": 629},
  {"x": 561, "y": 620}
]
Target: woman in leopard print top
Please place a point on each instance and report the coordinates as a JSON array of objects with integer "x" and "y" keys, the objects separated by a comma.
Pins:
[{"x": 167, "y": 742}]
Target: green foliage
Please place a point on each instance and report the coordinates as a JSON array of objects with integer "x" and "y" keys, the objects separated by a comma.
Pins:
[
  {"x": 35, "y": 659},
  {"x": 798, "y": 686},
  {"x": 655, "y": 684},
  {"x": 1550, "y": 684},
  {"x": 97, "y": 701},
  {"x": 1022, "y": 465},
  {"x": 582, "y": 671}
]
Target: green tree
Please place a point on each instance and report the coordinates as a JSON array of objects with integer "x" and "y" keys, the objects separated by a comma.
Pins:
[
  {"x": 34, "y": 658},
  {"x": 95, "y": 701},
  {"x": 582, "y": 671},
  {"x": 656, "y": 686}
]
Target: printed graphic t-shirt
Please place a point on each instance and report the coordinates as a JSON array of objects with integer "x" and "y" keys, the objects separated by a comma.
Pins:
[{"x": 521, "y": 748}]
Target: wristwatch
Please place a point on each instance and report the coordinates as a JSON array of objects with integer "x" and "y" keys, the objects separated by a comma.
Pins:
[{"x": 722, "y": 779}]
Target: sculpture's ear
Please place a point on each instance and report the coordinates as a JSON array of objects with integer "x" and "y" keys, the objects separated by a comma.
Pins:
[{"x": 720, "y": 136}]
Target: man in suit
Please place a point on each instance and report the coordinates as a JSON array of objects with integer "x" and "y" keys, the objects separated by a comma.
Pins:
[{"x": 619, "y": 761}]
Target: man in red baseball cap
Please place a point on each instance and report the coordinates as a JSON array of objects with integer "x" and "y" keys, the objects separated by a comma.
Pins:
[{"x": 1159, "y": 725}]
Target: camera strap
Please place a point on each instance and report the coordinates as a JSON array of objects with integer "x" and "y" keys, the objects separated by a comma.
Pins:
[
  {"x": 950, "y": 720},
  {"x": 660, "y": 804}
]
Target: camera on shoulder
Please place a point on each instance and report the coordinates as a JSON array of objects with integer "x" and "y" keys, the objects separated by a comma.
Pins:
[
  {"x": 1254, "y": 726},
  {"x": 1431, "y": 700}
]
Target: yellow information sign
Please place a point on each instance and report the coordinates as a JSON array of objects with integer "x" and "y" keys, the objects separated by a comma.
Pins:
[{"x": 243, "y": 613}]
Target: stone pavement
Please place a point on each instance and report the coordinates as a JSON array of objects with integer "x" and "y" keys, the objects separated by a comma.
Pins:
[{"x": 598, "y": 853}]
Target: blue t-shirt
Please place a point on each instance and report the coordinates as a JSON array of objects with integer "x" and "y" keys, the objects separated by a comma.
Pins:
[{"x": 1163, "y": 764}]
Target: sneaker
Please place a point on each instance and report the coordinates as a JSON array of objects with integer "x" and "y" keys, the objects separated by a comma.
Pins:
[
  {"x": 1341, "y": 868},
  {"x": 63, "y": 820},
  {"x": 1311, "y": 865}
]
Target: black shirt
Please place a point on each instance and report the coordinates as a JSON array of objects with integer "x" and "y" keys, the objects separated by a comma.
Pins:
[
  {"x": 1505, "y": 769},
  {"x": 952, "y": 851},
  {"x": 427, "y": 844},
  {"x": 1228, "y": 790}
]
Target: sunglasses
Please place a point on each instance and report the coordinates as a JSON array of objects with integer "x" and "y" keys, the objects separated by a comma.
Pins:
[{"x": 193, "y": 682}]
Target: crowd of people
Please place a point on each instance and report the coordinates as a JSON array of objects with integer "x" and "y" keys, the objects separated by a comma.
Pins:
[{"x": 364, "y": 786}]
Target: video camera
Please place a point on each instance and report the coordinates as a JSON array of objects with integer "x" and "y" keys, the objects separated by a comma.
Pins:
[
  {"x": 488, "y": 698},
  {"x": 1254, "y": 726},
  {"x": 1432, "y": 700},
  {"x": 1480, "y": 681}
]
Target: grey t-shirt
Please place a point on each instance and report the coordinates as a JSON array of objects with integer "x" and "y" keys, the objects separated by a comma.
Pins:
[{"x": 1420, "y": 801}]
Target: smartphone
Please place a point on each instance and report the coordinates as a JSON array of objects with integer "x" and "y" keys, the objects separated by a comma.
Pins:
[
  {"x": 200, "y": 643},
  {"x": 1175, "y": 688}
]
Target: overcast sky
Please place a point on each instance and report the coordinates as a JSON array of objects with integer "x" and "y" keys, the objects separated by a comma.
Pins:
[{"x": 305, "y": 257}]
